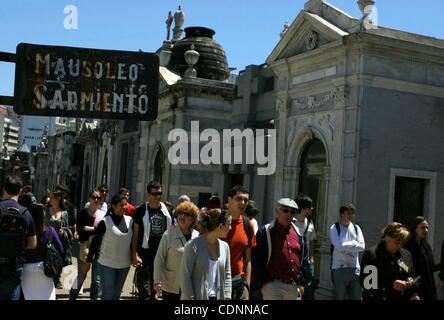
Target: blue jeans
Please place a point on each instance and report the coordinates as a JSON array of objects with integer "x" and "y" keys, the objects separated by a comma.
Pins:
[
  {"x": 112, "y": 281},
  {"x": 10, "y": 282},
  {"x": 310, "y": 283},
  {"x": 95, "y": 292}
]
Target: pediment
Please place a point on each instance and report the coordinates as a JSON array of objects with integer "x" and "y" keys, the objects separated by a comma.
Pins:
[
  {"x": 167, "y": 78},
  {"x": 307, "y": 32}
]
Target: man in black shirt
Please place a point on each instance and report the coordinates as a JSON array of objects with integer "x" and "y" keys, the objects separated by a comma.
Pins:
[{"x": 151, "y": 220}]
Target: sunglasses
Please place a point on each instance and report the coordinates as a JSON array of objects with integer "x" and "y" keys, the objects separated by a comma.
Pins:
[
  {"x": 95, "y": 198},
  {"x": 287, "y": 210},
  {"x": 186, "y": 214},
  {"x": 156, "y": 194}
]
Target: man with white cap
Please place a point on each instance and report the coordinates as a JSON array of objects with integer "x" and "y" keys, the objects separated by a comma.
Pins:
[{"x": 280, "y": 256}]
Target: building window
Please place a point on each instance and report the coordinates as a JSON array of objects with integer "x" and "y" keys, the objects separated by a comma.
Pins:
[
  {"x": 158, "y": 165},
  {"x": 105, "y": 169},
  {"x": 123, "y": 165},
  {"x": 409, "y": 199},
  {"x": 412, "y": 193},
  {"x": 269, "y": 84}
]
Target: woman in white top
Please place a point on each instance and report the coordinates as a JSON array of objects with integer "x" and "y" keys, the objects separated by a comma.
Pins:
[
  {"x": 113, "y": 240},
  {"x": 169, "y": 254},
  {"x": 206, "y": 271}
]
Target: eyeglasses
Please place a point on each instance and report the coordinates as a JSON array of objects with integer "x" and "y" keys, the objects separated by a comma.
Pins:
[
  {"x": 95, "y": 198},
  {"x": 156, "y": 194},
  {"x": 287, "y": 210},
  {"x": 186, "y": 214}
]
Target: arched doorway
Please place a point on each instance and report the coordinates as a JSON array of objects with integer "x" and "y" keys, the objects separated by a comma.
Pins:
[
  {"x": 312, "y": 181},
  {"x": 158, "y": 164},
  {"x": 105, "y": 169}
]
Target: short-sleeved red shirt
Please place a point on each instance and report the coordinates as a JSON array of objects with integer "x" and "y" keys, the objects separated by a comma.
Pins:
[{"x": 238, "y": 241}]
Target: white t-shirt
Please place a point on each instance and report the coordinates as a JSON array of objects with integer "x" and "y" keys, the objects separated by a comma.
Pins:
[
  {"x": 302, "y": 226},
  {"x": 212, "y": 276}
]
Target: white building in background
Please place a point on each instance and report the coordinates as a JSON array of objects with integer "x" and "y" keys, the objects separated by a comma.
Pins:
[
  {"x": 32, "y": 129},
  {"x": 9, "y": 130}
]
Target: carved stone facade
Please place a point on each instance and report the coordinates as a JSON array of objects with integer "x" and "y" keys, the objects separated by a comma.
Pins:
[{"x": 345, "y": 92}]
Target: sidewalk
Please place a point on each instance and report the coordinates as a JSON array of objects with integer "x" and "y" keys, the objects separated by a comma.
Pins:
[{"x": 70, "y": 274}]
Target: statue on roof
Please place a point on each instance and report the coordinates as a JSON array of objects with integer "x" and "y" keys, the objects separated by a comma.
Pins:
[
  {"x": 286, "y": 26},
  {"x": 169, "y": 22},
  {"x": 179, "y": 19},
  {"x": 369, "y": 18}
]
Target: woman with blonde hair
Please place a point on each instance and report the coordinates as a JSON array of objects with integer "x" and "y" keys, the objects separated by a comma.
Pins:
[
  {"x": 206, "y": 271},
  {"x": 169, "y": 254},
  {"x": 394, "y": 267}
]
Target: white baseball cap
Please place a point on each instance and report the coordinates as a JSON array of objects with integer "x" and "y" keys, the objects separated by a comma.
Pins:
[{"x": 287, "y": 202}]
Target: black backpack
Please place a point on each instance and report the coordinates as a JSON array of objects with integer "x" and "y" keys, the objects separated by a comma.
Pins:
[
  {"x": 53, "y": 263},
  {"x": 13, "y": 230},
  {"x": 338, "y": 229},
  {"x": 247, "y": 228}
]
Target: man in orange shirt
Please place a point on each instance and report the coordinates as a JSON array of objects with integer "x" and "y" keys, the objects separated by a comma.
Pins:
[{"x": 241, "y": 239}]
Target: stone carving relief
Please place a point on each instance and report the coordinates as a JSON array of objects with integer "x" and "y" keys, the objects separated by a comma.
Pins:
[
  {"x": 327, "y": 122},
  {"x": 281, "y": 104},
  {"x": 312, "y": 41},
  {"x": 338, "y": 96}
]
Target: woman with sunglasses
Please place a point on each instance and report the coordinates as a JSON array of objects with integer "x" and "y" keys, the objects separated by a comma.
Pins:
[
  {"x": 87, "y": 222},
  {"x": 205, "y": 270},
  {"x": 169, "y": 254},
  {"x": 423, "y": 261},
  {"x": 387, "y": 269},
  {"x": 113, "y": 241}
]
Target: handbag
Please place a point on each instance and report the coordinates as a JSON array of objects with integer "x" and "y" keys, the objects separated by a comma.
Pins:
[
  {"x": 84, "y": 250},
  {"x": 53, "y": 263}
]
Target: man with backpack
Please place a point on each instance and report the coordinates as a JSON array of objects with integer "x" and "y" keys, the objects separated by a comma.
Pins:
[
  {"x": 305, "y": 228},
  {"x": 151, "y": 220},
  {"x": 17, "y": 234},
  {"x": 241, "y": 239},
  {"x": 347, "y": 241}
]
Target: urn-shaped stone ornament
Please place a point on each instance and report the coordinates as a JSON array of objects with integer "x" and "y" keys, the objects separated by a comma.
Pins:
[{"x": 191, "y": 58}]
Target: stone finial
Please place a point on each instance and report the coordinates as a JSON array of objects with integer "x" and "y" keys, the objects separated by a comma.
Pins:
[
  {"x": 179, "y": 19},
  {"x": 168, "y": 22},
  {"x": 165, "y": 53},
  {"x": 284, "y": 31},
  {"x": 367, "y": 7},
  {"x": 364, "y": 3},
  {"x": 191, "y": 58}
]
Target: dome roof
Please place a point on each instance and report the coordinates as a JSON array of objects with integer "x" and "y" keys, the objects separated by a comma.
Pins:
[{"x": 212, "y": 62}]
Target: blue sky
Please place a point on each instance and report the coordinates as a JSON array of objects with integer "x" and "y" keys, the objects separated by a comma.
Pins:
[{"x": 247, "y": 29}]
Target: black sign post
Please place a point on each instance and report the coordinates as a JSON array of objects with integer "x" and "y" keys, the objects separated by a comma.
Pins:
[{"x": 86, "y": 83}]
